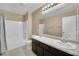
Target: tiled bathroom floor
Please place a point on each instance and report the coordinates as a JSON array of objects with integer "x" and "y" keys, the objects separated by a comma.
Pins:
[
  {"x": 22, "y": 51},
  {"x": 28, "y": 52}
]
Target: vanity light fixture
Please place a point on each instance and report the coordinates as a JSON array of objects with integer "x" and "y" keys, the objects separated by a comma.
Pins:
[
  {"x": 52, "y": 4},
  {"x": 43, "y": 9},
  {"x": 49, "y": 5}
]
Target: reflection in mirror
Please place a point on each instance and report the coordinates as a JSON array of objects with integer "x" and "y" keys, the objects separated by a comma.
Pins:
[{"x": 60, "y": 22}]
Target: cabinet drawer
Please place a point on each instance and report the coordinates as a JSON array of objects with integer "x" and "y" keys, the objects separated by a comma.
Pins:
[
  {"x": 45, "y": 46},
  {"x": 34, "y": 48}
]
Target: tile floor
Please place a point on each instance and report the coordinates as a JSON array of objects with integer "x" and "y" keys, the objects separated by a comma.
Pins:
[{"x": 21, "y": 51}]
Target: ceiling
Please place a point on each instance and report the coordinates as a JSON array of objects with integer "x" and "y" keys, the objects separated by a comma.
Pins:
[{"x": 20, "y": 8}]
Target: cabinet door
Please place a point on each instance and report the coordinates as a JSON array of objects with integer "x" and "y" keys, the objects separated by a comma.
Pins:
[
  {"x": 35, "y": 42},
  {"x": 45, "y": 46},
  {"x": 34, "y": 48},
  {"x": 57, "y": 52},
  {"x": 39, "y": 51},
  {"x": 47, "y": 53}
]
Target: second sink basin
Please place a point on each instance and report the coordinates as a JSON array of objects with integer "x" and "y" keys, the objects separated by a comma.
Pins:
[{"x": 66, "y": 45}]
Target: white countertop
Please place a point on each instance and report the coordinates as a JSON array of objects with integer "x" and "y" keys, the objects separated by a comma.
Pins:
[{"x": 49, "y": 42}]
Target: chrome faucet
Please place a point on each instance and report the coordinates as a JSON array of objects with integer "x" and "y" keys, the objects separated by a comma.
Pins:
[{"x": 66, "y": 38}]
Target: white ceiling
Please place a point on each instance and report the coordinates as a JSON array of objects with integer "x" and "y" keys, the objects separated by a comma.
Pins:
[{"x": 20, "y": 8}]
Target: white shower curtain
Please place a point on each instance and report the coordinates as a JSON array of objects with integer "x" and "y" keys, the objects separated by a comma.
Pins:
[
  {"x": 3, "y": 46},
  {"x": 14, "y": 34}
]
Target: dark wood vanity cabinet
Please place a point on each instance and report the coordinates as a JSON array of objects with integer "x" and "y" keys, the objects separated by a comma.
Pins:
[
  {"x": 42, "y": 49},
  {"x": 39, "y": 51},
  {"x": 36, "y": 48},
  {"x": 47, "y": 53}
]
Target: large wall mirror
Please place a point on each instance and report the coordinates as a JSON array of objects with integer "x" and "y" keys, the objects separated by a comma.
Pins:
[{"x": 60, "y": 21}]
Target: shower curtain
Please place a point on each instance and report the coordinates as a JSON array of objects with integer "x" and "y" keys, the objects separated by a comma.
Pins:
[
  {"x": 14, "y": 34},
  {"x": 3, "y": 46}
]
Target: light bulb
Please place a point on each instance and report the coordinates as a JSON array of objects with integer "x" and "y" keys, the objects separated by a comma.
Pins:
[
  {"x": 48, "y": 5},
  {"x": 51, "y": 3}
]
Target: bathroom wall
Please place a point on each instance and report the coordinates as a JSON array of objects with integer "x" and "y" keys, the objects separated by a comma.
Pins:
[
  {"x": 35, "y": 20},
  {"x": 11, "y": 16},
  {"x": 25, "y": 30},
  {"x": 25, "y": 26},
  {"x": 29, "y": 25},
  {"x": 28, "y": 18},
  {"x": 25, "y": 17}
]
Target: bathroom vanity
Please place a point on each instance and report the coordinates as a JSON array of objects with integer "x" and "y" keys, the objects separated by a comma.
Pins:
[
  {"x": 42, "y": 49},
  {"x": 42, "y": 46}
]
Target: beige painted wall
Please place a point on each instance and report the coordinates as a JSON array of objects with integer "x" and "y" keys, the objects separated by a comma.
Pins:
[
  {"x": 29, "y": 25},
  {"x": 28, "y": 17},
  {"x": 11, "y": 16},
  {"x": 25, "y": 17},
  {"x": 35, "y": 20}
]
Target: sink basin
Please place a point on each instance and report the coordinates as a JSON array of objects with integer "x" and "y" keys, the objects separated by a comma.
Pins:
[{"x": 66, "y": 45}]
